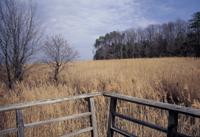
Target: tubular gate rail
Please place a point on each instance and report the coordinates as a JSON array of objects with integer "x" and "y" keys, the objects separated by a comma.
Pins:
[
  {"x": 20, "y": 125},
  {"x": 171, "y": 130},
  {"x": 173, "y": 111}
]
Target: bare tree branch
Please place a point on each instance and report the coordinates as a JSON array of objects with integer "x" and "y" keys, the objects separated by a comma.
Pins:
[
  {"x": 18, "y": 37},
  {"x": 58, "y": 54}
]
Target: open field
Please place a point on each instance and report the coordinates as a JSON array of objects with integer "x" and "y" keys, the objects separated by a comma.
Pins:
[{"x": 173, "y": 80}]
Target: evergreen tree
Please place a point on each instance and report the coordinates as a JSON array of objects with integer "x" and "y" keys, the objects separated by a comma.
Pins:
[{"x": 194, "y": 35}]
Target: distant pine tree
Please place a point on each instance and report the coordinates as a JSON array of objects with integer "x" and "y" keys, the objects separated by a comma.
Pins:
[
  {"x": 194, "y": 35},
  {"x": 179, "y": 38}
]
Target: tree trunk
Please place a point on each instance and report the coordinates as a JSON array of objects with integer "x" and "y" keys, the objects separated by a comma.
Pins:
[
  {"x": 56, "y": 72},
  {"x": 10, "y": 81}
]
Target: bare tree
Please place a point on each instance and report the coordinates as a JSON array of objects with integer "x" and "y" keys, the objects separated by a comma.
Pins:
[
  {"x": 58, "y": 54},
  {"x": 18, "y": 37}
]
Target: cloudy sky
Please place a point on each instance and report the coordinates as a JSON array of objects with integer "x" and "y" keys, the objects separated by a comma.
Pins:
[{"x": 82, "y": 21}]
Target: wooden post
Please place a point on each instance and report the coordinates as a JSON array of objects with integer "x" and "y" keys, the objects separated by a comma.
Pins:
[
  {"x": 111, "y": 117},
  {"x": 172, "y": 124},
  {"x": 93, "y": 121},
  {"x": 20, "y": 123}
]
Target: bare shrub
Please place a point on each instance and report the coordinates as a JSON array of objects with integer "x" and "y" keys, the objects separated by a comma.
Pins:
[{"x": 58, "y": 54}]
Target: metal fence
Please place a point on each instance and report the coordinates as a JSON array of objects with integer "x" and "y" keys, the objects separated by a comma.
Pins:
[
  {"x": 173, "y": 111},
  {"x": 171, "y": 130},
  {"x": 20, "y": 125}
]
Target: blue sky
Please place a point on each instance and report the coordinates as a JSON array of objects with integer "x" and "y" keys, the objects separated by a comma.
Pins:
[{"x": 82, "y": 21}]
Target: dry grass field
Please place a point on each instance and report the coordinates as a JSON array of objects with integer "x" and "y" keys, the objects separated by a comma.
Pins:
[{"x": 173, "y": 80}]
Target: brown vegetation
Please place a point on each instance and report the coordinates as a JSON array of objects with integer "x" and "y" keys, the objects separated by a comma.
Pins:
[{"x": 174, "y": 80}]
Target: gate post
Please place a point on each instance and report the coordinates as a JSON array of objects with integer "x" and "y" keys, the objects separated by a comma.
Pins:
[
  {"x": 172, "y": 124},
  {"x": 20, "y": 123},
  {"x": 111, "y": 117},
  {"x": 93, "y": 121}
]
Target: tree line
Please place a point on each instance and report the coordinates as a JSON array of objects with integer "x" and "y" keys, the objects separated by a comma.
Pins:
[
  {"x": 21, "y": 39},
  {"x": 179, "y": 38}
]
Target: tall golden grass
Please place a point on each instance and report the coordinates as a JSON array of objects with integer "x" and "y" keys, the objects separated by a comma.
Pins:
[{"x": 173, "y": 80}]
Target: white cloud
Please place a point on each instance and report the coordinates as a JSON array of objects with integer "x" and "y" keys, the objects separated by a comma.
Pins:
[{"x": 82, "y": 21}]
